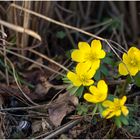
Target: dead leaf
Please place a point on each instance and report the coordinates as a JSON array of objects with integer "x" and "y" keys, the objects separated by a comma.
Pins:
[
  {"x": 42, "y": 87},
  {"x": 40, "y": 125},
  {"x": 36, "y": 126},
  {"x": 63, "y": 105}
]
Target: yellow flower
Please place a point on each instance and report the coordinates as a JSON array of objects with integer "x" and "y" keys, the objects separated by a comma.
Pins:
[
  {"x": 82, "y": 76},
  {"x": 131, "y": 62},
  {"x": 98, "y": 94},
  {"x": 90, "y": 55},
  {"x": 115, "y": 108}
]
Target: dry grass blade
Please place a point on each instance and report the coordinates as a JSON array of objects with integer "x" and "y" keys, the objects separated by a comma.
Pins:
[
  {"x": 50, "y": 60},
  {"x": 30, "y": 60},
  {"x": 26, "y": 25},
  {"x": 57, "y": 22},
  {"x": 20, "y": 29}
]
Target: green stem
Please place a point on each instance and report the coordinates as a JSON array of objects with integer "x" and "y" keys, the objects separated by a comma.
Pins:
[
  {"x": 122, "y": 93},
  {"x": 94, "y": 110}
]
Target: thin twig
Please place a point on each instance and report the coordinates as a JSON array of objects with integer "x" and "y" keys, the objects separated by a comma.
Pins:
[
  {"x": 50, "y": 60},
  {"x": 59, "y": 130},
  {"x": 20, "y": 29},
  {"x": 35, "y": 62}
]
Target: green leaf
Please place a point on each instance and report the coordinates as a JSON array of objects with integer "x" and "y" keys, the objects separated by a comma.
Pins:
[
  {"x": 73, "y": 90},
  {"x": 94, "y": 110},
  {"x": 137, "y": 79},
  {"x": 79, "y": 92},
  {"x": 104, "y": 70},
  {"x": 60, "y": 34},
  {"x": 118, "y": 122},
  {"x": 111, "y": 97},
  {"x": 66, "y": 80},
  {"x": 100, "y": 107},
  {"x": 82, "y": 109},
  {"x": 97, "y": 75},
  {"x": 124, "y": 120},
  {"x": 70, "y": 86},
  {"x": 108, "y": 61},
  {"x": 110, "y": 54}
]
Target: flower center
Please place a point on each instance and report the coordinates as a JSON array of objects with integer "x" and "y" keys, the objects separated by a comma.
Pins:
[
  {"x": 91, "y": 56},
  {"x": 133, "y": 62},
  {"x": 83, "y": 78},
  {"x": 117, "y": 106}
]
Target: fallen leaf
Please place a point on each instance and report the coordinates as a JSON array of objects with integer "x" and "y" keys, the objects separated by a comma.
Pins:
[
  {"x": 40, "y": 125},
  {"x": 62, "y": 106},
  {"x": 36, "y": 126}
]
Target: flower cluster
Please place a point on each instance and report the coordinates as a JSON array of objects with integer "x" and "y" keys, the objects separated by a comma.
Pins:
[{"x": 88, "y": 60}]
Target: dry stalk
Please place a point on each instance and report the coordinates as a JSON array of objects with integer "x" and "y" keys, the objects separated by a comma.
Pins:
[
  {"x": 50, "y": 60},
  {"x": 20, "y": 29},
  {"x": 4, "y": 52},
  {"x": 26, "y": 25}
]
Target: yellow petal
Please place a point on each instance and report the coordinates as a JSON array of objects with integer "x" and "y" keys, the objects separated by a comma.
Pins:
[
  {"x": 88, "y": 83},
  {"x": 125, "y": 111},
  {"x": 101, "y": 54},
  {"x": 133, "y": 70},
  {"x": 82, "y": 68},
  {"x": 78, "y": 56},
  {"x": 126, "y": 59},
  {"x": 123, "y": 100},
  {"x": 107, "y": 103},
  {"x": 139, "y": 66},
  {"x": 118, "y": 113},
  {"x": 122, "y": 69},
  {"x": 116, "y": 101},
  {"x": 91, "y": 73},
  {"x": 106, "y": 113},
  {"x": 74, "y": 78},
  {"x": 101, "y": 96},
  {"x": 90, "y": 98},
  {"x": 110, "y": 115},
  {"x": 95, "y": 64},
  {"x": 84, "y": 46},
  {"x": 96, "y": 44},
  {"x": 102, "y": 86},
  {"x": 93, "y": 90},
  {"x": 132, "y": 50}
]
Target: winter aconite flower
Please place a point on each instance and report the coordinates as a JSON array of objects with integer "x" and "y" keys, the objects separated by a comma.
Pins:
[
  {"x": 90, "y": 55},
  {"x": 131, "y": 62},
  {"x": 97, "y": 94},
  {"x": 115, "y": 108},
  {"x": 82, "y": 76}
]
